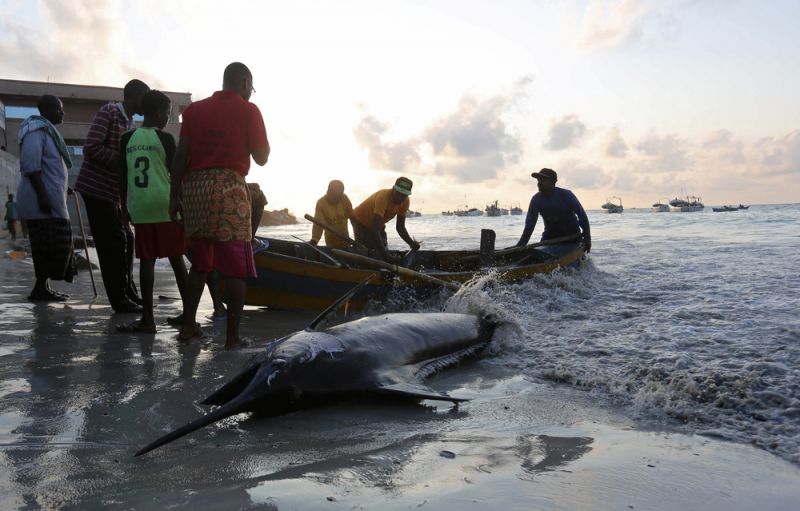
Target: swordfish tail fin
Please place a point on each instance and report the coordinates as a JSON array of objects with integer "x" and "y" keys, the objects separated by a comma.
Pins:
[{"x": 236, "y": 405}]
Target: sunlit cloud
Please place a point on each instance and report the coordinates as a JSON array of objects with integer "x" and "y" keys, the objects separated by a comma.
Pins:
[
  {"x": 612, "y": 23},
  {"x": 471, "y": 144},
  {"x": 564, "y": 133},
  {"x": 614, "y": 144}
]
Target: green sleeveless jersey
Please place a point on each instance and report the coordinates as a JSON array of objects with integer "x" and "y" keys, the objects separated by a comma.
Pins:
[{"x": 148, "y": 177}]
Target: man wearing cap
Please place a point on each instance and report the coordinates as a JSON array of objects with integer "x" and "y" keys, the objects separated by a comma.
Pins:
[
  {"x": 560, "y": 209},
  {"x": 370, "y": 217}
]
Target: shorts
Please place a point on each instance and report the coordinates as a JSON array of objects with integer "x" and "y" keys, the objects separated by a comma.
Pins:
[
  {"x": 230, "y": 258},
  {"x": 154, "y": 241}
]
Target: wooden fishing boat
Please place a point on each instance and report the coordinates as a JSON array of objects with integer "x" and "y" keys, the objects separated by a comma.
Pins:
[{"x": 295, "y": 276}]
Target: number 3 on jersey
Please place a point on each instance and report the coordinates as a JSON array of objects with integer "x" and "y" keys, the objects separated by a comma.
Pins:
[{"x": 142, "y": 164}]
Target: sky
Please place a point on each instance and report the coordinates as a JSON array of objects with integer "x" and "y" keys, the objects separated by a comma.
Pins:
[{"x": 638, "y": 99}]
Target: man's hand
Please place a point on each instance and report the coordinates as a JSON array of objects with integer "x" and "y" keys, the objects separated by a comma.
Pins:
[
  {"x": 175, "y": 209},
  {"x": 313, "y": 242},
  {"x": 414, "y": 245},
  {"x": 587, "y": 243}
]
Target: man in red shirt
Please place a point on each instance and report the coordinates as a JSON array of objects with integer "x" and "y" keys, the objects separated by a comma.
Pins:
[{"x": 218, "y": 136}]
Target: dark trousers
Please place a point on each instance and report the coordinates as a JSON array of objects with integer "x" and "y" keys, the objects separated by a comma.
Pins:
[
  {"x": 363, "y": 235},
  {"x": 113, "y": 241}
]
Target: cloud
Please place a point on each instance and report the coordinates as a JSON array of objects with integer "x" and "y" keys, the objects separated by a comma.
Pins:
[
  {"x": 777, "y": 155},
  {"x": 612, "y": 23},
  {"x": 401, "y": 156},
  {"x": 81, "y": 41},
  {"x": 580, "y": 174},
  {"x": 564, "y": 132},
  {"x": 471, "y": 144},
  {"x": 614, "y": 144},
  {"x": 664, "y": 153}
]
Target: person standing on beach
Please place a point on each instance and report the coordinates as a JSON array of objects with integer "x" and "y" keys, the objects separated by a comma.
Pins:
[
  {"x": 370, "y": 217},
  {"x": 11, "y": 216},
  {"x": 560, "y": 209},
  {"x": 335, "y": 209},
  {"x": 99, "y": 183},
  {"x": 145, "y": 157},
  {"x": 218, "y": 137},
  {"x": 44, "y": 163}
]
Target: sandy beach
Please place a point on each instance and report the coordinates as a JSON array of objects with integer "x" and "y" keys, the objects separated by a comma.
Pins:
[{"x": 77, "y": 399}]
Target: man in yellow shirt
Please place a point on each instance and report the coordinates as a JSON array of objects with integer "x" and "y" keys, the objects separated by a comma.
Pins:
[
  {"x": 370, "y": 217},
  {"x": 334, "y": 208}
]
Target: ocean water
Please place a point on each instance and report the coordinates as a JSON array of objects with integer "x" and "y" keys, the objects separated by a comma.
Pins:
[{"x": 690, "y": 319}]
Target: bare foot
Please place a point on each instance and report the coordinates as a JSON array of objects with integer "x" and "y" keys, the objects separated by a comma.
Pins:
[{"x": 188, "y": 335}]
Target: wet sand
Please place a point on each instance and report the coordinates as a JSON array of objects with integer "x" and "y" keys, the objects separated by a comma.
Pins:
[{"x": 77, "y": 399}]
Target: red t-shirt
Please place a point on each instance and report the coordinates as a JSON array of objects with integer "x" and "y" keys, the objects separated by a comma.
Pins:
[{"x": 223, "y": 130}]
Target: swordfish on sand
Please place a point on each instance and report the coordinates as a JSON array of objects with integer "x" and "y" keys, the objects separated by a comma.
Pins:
[{"x": 388, "y": 355}]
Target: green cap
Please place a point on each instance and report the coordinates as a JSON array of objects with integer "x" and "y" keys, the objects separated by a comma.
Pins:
[{"x": 403, "y": 185}]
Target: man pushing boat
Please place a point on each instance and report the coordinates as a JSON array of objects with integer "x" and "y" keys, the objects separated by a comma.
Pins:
[
  {"x": 370, "y": 217},
  {"x": 561, "y": 211}
]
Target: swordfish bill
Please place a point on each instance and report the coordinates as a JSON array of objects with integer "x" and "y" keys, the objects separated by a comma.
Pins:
[{"x": 388, "y": 355}]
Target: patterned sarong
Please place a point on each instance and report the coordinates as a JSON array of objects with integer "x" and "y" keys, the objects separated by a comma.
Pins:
[
  {"x": 51, "y": 248},
  {"x": 216, "y": 205}
]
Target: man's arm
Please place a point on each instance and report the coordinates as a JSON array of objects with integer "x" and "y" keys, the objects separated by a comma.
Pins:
[
  {"x": 261, "y": 155},
  {"x": 530, "y": 223},
  {"x": 176, "y": 177},
  {"x": 377, "y": 226},
  {"x": 123, "y": 176},
  {"x": 400, "y": 225},
  {"x": 316, "y": 231},
  {"x": 31, "y": 166},
  {"x": 94, "y": 147},
  {"x": 583, "y": 221}
]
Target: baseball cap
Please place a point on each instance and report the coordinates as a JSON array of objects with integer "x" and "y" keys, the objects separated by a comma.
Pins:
[
  {"x": 403, "y": 185},
  {"x": 546, "y": 174}
]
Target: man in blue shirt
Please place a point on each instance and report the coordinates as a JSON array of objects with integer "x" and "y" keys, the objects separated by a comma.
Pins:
[
  {"x": 560, "y": 209},
  {"x": 44, "y": 162}
]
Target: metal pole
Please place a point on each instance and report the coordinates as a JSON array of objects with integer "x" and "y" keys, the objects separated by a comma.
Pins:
[{"x": 83, "y": 235}]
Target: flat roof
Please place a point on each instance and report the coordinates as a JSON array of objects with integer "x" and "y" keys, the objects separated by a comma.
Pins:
[{"x": 23, "y": 88}]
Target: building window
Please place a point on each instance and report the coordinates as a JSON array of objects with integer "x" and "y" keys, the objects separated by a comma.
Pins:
[{"x": 20, "y": 112}]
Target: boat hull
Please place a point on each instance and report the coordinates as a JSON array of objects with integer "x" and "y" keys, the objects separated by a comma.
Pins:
[{"x": 295, "y": 283}]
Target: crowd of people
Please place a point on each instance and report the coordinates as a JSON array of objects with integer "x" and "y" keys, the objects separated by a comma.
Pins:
[{"x": 191, "y": 199}]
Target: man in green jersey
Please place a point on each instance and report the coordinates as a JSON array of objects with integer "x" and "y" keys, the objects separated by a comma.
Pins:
[{"x": 146, "y": 155}]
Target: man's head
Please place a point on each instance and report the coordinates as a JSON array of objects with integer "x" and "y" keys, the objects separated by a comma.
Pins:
[
  {"x": 237, "y": 77},
  {"x": 51, "y": 108},
  {"x": 546, "y": 180},
  {"x": 156, "y": 106},
  {"x": 132, "y": 94},
  {"x": 335, "y": 192},
  {"x": 10, "y": 196},
  {"x": 401, "y": 189}
]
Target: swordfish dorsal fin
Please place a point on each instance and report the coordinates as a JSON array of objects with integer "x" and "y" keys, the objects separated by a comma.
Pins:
[{"x": 415, "y": 391}]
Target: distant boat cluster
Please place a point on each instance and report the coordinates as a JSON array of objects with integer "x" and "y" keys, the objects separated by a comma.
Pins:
[
  {"x": 686, "y": 205},
  {"x": 492, "y": 209}
]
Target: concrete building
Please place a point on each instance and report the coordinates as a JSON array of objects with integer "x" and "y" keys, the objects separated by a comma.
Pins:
[{"x": 81, "y": 103}]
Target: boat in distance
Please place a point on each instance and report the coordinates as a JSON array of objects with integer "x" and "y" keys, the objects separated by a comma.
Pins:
[
  {"x": 688, "y": 205},
  {"x": 660, "y": 207},
  {"x": 730, "y": 208},
  {"x": 613, "y": 205},
  {"x": 295, "y": 276}
]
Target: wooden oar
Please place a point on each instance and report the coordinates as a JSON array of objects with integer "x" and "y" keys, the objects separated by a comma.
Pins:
[
  {"x": 513, "y": 250},
  {"x": 328, "y": 257},
  {"x": 332, "y": 230},
  {"x": 396, "y": 269}
]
